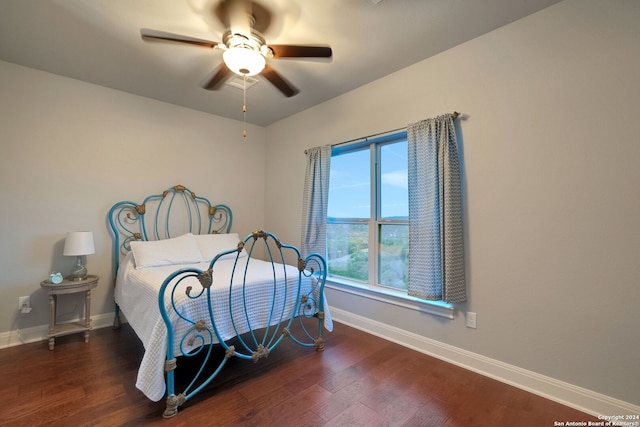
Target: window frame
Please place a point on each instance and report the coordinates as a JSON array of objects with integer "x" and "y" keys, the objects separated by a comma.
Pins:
[{"x": 372, "y": 289}]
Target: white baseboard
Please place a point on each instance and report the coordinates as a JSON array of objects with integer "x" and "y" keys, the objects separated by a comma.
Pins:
[
  {"x": 567, "y": 394},
  {"x": 39, "y": 333}
]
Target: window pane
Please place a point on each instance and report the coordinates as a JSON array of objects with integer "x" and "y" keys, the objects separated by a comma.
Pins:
[
  {"x": 349, "y": 184},
  {"x": 394, "y": 191},
  {"x": 393, "y": 264},
  {"x": 348, "y": 250}
]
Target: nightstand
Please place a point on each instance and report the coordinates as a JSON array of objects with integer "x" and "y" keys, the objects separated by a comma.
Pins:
[{"x": 69, "y": 287}]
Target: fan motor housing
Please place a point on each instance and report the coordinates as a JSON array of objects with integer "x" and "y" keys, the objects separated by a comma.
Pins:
[{"x": 254, "y": 42}]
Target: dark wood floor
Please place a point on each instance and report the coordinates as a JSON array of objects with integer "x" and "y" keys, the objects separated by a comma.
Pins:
[{"x": 359, "y": 380}]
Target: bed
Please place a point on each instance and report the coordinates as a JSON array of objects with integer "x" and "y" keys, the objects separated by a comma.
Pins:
[{"x": 186, "y": 284}]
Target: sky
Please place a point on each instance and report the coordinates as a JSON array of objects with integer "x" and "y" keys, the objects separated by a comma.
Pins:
[{"x": 349, "y": 187}]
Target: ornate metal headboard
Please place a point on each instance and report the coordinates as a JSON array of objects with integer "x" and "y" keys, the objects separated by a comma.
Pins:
[{"x": 172, "y": 213}]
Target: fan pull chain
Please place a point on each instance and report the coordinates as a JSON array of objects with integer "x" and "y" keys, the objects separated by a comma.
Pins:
[{"x": 244, "y": 105}]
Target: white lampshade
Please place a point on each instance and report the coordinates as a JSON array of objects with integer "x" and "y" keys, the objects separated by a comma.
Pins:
[
  {"x": 244, "y": 61},
  {"x": 79, "y": 243}
]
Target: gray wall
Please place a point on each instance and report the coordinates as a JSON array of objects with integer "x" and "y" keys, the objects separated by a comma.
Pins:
[
  {"x": 550, "y": 156},
  {"x": 69, "y": 150}
]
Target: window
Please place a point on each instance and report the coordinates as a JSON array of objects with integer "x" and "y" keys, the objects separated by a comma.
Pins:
[
  {"x": 362, "y": 224},
  {"x": 368, "y": 213}
]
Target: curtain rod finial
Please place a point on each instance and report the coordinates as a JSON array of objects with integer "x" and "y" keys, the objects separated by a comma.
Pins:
[{"x": 456, "y": 115}]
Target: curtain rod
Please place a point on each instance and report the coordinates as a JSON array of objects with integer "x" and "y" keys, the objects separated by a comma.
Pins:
[{"x": 455, "y": 115}]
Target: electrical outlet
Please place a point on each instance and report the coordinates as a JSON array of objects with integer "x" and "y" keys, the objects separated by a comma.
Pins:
[
  {"x": 23, "y": 302},
  {"x": 471, "y": 319}
]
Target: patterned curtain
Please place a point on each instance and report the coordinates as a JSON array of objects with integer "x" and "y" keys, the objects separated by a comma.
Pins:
[
  {"x": 315, "y": 201},
  {"x": 436, "y": 247}
]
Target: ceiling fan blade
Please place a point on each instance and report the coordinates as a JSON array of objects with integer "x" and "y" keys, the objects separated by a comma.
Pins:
[
  {"x": 279, "y": 82},
  {"x": 218, "y": 78},
  {"x": 293, "y": 51},
  {"x": 148, "y": 34}
]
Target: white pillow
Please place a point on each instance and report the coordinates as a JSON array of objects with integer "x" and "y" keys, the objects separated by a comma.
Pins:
[
  {"x": 156, "y": 253},
  {"x": 212, "y": 244}
]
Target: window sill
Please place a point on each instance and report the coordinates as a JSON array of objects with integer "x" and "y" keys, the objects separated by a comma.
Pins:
[{"x": 389, "y": 296}]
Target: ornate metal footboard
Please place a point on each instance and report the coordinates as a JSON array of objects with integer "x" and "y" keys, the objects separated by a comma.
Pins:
[{"x": 260, "y": 314}]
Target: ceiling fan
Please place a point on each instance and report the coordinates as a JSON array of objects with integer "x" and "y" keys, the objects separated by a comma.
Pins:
[{"x": 245, "y": 51}]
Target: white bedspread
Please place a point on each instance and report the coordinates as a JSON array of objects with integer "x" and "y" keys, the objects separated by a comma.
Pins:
[{"x": 136, "y": 293}]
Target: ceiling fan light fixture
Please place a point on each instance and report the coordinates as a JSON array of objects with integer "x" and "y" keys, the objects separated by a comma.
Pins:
[{"x": 244, "y": 61}]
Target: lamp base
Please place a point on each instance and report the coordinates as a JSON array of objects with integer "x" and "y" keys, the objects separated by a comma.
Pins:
[{"x": 79, "y": 272}]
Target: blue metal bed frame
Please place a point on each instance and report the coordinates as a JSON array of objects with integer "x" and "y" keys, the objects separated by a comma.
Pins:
[{"x": 155, "y": 219}]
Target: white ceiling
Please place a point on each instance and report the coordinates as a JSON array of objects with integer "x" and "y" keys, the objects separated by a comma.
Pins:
[{"x": 98, "y": 41}]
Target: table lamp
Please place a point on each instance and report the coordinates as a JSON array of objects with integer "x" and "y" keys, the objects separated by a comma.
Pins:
[{"x": 79, "y": 243}]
